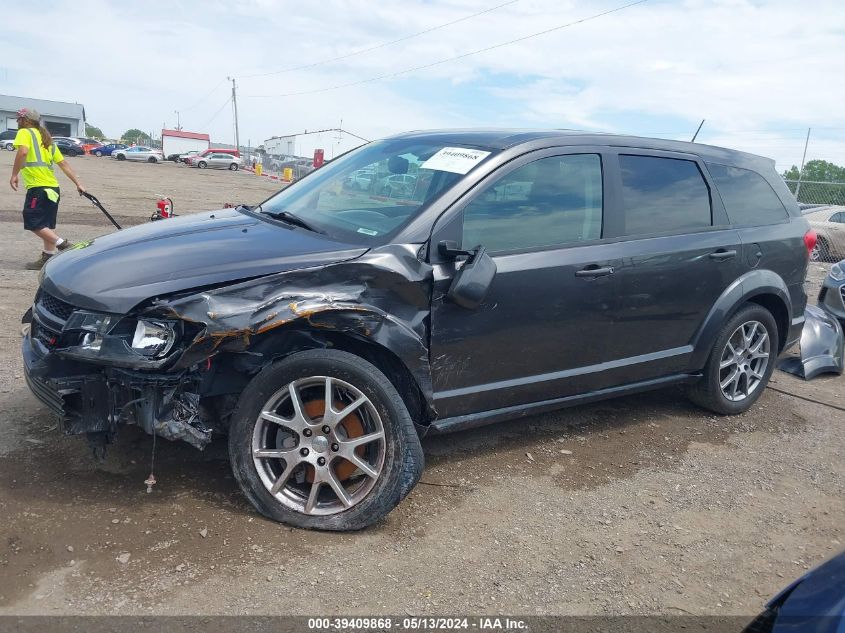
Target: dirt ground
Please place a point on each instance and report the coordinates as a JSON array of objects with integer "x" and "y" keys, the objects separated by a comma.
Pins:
[{"x": 641, "y": 505}]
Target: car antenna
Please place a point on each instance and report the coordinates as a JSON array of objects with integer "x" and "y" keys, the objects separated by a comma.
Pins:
[{"x": 698, "y": 130}]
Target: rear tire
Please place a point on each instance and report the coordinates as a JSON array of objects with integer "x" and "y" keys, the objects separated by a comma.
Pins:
[
  {"x": 233, "y": 167},
  {"x": 821, "y": 251},
  {"x": 395, "y": 459},
  {"x": 711, "y": 392}
]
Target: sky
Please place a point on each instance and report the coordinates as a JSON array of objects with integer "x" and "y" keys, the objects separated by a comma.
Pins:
[{"x": 760, "y": 72}]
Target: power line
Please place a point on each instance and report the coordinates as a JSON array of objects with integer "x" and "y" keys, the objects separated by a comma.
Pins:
[
  {"x": 449, "y": 59},
  {"x": 216, "y": 114},
  {"x": 210, "y": 92},
  {"x": 382, "y": 45}
]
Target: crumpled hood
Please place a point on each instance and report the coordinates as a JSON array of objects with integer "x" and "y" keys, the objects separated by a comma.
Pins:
[{"x": 116, "y": 272}]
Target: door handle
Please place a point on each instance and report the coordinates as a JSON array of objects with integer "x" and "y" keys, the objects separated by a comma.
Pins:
[
  {"x": 594, "y": 272},
  {"x": 722, "y": 255}
]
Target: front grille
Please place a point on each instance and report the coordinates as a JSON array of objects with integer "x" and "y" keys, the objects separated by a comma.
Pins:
[
  {"x": 842, "y": 292},
  {"x": 46, "y": 394},
  {"x": 58, "y": 308}
]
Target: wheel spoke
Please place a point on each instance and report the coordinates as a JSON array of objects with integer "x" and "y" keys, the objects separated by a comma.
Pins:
[
  {"x": 328, "y": 397},
  {"x": 731, "y": 378},
  {"x": 727, "y": 363},
  {"x": 312, "y": 496},
  {"x": 363, "y": 466},
  {"x": 338, "y": 488},
  {"x": 759, "y": 344},
  {"x": 731, "y": 347},
  {"x": 283, "y": 478},
  {"x": 350, "y": 408},
  {"x": 275, "y": 453},
  {"x": 276, "y": 419},
  {"x": 749, "y": 337},
  {"x": 298, "y": 407},
  {"x": 350, "y": 445},
  {"x": 754, "y": 374}
]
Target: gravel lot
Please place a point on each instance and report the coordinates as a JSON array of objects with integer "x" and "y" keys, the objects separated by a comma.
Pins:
[{"x": 639, "y": 505}]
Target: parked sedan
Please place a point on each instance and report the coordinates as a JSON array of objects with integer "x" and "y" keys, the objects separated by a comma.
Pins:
[
  {"x": 6, "y": 138},
  {"x": 187, "y": 156},
  {"x": 829, "y": 224},
  {"x": 218, "y": 161},
  {"x": 69, "y": 146},
  {"x": 139, "y": 152},
  {"x": 107, "y": 150}
]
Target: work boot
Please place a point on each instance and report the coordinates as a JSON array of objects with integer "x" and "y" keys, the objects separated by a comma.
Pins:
[{"x": 38, "y": 263}]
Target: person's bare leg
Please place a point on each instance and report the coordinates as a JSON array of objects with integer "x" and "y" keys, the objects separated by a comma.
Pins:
[{"x": 49, "y": 237}]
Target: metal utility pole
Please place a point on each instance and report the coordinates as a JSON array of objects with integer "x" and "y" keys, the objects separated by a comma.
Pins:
[
  {"x": 235, "y": 113},
  {"x": 700, "y": 125},
  {"x": 803, "y": 158},
  {"x": 178, "y": 123}
]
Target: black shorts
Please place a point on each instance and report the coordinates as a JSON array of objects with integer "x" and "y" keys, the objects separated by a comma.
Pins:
[{"x": 39, "y": 212}]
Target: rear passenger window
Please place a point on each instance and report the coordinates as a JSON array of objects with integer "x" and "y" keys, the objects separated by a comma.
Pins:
[
  {"x": 550, "y": 202},
  {"x": 748, "y": 198},
  {"x": 663, "y": 194}
]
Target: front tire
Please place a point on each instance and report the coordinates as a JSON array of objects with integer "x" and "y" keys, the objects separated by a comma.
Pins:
[
  {"x": 121, "y": 157},
  {"x": 341, "y": 470},
  {"x": 740, "y": 364},
  {"x": 202, "y": 164}
]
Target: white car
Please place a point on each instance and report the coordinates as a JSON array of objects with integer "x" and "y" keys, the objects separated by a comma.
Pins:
[
  {"x": 829, "y": 224},
  {"x": 139, "y": 153},
  {"x": 217, "y": 161}
]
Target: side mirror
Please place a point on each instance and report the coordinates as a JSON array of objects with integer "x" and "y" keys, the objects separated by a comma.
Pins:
[{"x": 470, "y": 285}]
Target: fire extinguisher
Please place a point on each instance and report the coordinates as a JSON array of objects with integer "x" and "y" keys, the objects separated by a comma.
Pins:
[{"x": 164, "y": 209}]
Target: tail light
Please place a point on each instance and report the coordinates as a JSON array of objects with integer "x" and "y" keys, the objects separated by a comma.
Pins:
[{"x": 810, "y": 239}]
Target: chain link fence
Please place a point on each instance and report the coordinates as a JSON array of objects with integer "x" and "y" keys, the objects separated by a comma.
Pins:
[{"x": 823, "y": 205}]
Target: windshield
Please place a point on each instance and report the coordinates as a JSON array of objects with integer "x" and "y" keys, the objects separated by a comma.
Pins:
[{"x": 367, "y": 195}]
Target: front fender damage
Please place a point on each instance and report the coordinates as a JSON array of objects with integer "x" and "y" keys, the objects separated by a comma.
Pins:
[{"x": 382, "y": 297}]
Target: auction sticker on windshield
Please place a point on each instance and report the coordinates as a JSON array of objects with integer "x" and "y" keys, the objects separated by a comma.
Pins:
[{"x": 457, "y": 160}]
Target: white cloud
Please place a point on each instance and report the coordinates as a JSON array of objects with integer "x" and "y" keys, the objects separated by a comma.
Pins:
[{"x": 744, "y": 66}]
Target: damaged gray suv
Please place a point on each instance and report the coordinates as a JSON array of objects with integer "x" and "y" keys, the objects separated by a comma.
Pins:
[{"x": 328, "y": 328}]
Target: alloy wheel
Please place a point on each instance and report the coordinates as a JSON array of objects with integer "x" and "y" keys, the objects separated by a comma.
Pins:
[
  {"x": 318, "y": 445},
  {"x": 744, "y": 361}
]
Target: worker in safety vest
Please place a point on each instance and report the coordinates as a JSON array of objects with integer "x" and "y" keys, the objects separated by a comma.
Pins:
[{"x": 36, "y": 154}]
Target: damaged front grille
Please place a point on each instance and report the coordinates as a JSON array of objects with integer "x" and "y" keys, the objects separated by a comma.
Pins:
[{"x": 58, "y": 308}]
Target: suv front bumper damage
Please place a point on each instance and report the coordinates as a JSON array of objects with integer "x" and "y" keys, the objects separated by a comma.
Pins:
[{"x": 97, "y": 399}]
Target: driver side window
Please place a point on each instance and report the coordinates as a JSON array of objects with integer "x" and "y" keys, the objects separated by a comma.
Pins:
[{"x": 550, "y": 202}]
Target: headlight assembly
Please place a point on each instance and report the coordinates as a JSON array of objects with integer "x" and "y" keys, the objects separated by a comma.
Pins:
[
  {"x": 153, "y": 338},
  {"x": 837, "y": 272},
  {"x": 120, "y": 340}
]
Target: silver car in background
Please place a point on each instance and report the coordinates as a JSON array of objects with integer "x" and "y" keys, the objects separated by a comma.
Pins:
[
  {"x": 139, "y": 152},
  {"x": 829, "y": 224},
  {"x": 218, "y": 161}
]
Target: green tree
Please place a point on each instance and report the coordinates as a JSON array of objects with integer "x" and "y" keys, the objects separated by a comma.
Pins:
[
  {"x": 817, "y": 171},
  {"x": 92, "y": 131},
  {"x": 135, "y": 135}
]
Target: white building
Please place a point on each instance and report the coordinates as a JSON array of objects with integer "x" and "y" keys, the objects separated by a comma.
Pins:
[
  {"x": 60, "y": 118},
  {"x": 332, "y": 142},
  {"x": 175, "y": 142}
]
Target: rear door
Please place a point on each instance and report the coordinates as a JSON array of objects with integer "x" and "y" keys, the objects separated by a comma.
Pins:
[
  {"x": 541, "y": 332},
  {"x": 678, "y": 255}
]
